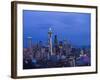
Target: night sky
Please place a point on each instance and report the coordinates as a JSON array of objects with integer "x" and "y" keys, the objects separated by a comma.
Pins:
[{"x": 70, "y": 26}]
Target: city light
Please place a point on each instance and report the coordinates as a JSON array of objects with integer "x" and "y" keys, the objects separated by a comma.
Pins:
[{"x": 54, "y": 54}]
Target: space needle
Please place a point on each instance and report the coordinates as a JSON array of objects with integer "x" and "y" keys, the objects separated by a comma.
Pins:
[{"x": 50, "y": 40}]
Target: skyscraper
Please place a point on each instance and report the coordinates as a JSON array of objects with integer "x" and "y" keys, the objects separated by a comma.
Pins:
[
  {"x": 55, "y": 40},
  {"x": 55, "y": 44},
  {"x": 29, "y": 42}
]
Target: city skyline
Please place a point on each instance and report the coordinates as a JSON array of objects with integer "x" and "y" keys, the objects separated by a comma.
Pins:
[
  {"x": 54, "y": 54},
  {"x": 37, "y": 23},
  {"x": 51, "y": 39}
]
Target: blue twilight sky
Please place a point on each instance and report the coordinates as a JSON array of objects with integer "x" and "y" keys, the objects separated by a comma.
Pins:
[{"x": 70, "y": 26}]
